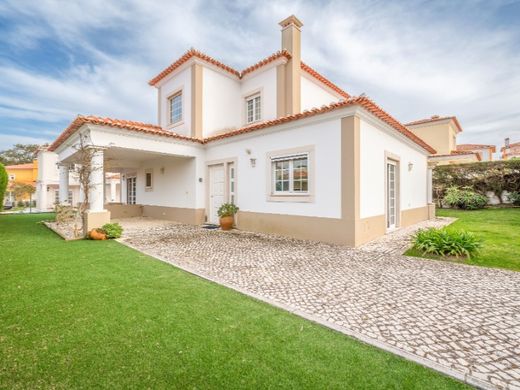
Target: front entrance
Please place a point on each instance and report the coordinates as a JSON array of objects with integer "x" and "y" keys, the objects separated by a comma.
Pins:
[
  {"x": 217, "y": 193},
  {"x": 130, "y": 190},
  {"x": 391, "y": 194}
]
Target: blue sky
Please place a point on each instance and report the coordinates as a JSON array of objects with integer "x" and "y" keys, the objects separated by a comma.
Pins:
[{"x": 414, "y": 58}]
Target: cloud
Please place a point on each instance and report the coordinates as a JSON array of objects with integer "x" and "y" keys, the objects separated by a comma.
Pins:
[{"x": 415, "y": 59}]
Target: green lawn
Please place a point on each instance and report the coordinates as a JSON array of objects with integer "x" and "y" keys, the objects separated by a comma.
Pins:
[
  {"x": 498, "y": 227},
  {"x": 98, "y": 314}
]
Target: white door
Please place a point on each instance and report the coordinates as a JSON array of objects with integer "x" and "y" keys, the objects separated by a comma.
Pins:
[
  {"x": 130, "y": 190},
  {"x": 391, "y": 194},
  {"x": 216, "y": 191}
]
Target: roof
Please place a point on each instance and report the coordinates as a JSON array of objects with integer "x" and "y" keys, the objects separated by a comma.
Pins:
[
  {"x": 455, "y": 153},
  {"x": 470, "y": 147},
  {"x": 117, "y": 123},
  {"x": 273, "y": 57},
  {"x": 435, "y": 118},
  {"x": 20, "y": 166},
  {"x": 364, "y": 102},
  {"x": 512, "y": 145}
]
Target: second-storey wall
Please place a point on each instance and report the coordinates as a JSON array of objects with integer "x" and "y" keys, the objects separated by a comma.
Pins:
[
  {"x": 314, "y": 95},
  {"x": 180, "y": 82}
]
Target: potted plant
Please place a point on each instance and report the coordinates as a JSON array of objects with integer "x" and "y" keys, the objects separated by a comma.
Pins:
[{"x": 227, "y": 212}]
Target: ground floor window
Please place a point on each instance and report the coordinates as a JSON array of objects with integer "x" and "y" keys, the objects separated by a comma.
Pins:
[
  {"x": 290, "y": 174},
  {"x": 131, "y": 190}
]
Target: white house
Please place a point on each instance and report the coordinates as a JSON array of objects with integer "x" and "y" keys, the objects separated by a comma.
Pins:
[{"x": 297, "y": 154}]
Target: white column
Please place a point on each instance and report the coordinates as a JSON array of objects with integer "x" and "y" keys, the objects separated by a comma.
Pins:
[
  {"x": 96, "y": 182},
  {"x": 429, "y": 185},
  {"x": 121, "y": 188},
  {"x": 113, "y": 192},
  {"x": 41, "y": 201},
  {"x": 64, "y": 184}
]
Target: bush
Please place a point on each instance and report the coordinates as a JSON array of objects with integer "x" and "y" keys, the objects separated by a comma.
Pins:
[
  {"x": 20, "y": 203},
  {"x": 445, "y": 242},
  {"x": 4, "y": 180},
  {"x": 464, "y": 198},
  {"x": 227, "y": 210},
  {"x": 112, "y": 230},
  {"x": 514, "y": 198}
]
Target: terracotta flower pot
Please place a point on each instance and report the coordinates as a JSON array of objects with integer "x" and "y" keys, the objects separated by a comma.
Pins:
[
  {"x": 226, "y": 223},
  {"x": 96, "y": 234}
]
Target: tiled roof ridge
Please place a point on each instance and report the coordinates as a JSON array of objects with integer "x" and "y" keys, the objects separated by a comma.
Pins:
[
  {"x": 435, "y": 118},
  {"x": 323, "y": 79},
  {"x": 265, "y": 61}
]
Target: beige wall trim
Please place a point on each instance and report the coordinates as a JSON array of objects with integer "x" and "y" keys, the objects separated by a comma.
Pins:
[
  {"x": 350, "y": 172},
  {"x": 370, "y": 228},
  {"x": 280, "y": 91},
  {"x": 412, "y": 216},
  {"x": 431, "y": 210},
  {"x": 177, "y": 214},
  {"x": 196, "y": 100},
  {"x": 291, "y": 41},
  {"x": 118, "y": 210},
  {"x": 96, "y": 219}
]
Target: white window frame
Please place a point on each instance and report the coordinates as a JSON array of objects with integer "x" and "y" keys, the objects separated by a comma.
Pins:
[
  {"x": 171, "y": 121},
  {"x": 12, "y": 177},
  {"x": 290, "y": 159},
  {"x": 257, "y": 107}
]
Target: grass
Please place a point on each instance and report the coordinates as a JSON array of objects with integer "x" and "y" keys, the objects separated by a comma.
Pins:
[
  {"x": 96, "y": 314},
  {"x": 498, "y": 227}
]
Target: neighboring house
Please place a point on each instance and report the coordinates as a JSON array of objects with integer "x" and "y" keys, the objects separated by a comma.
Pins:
[
  {"x": 23, "y": 174},
  {"x": 485, "y": 151},
  {"x": 441, "y": 133},
  {"x": 48, "y": 189},
  {"x": 510, "y": 150},
  {"x": 297, "y": 154}
]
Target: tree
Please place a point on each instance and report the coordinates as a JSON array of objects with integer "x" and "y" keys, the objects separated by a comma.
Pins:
[
  {"x": 21, "y": 189},
  {"x": 19, "y": 154},
  {"x": 4, "y": 179}
]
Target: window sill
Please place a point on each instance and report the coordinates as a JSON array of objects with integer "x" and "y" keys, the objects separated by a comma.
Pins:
[
  {"x": 148, "y": 189},
  {"x": 253, "y": 122},
  {"x": 174, "y": 125},
  {"x": 295, "y": 198}
]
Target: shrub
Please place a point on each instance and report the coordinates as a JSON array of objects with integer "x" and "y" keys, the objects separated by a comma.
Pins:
[
  {"x": 464, "y": 198},
  {"x": 112, "y": 230},
  {"x": 445, "y": 242},
  {"x": 4, "y": 180},
  {"x": 20, "y": 203},
  {"x": 227, "y": 210},
  {"x": 514, "y": 198}
]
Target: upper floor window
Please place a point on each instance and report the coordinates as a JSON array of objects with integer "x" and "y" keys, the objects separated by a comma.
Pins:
[
  {"x": 253, "y": 108},
  {"x": 12, "y": 177},
  {"x": 290, "y": 174},
  {"x": 175, "y": 105}
]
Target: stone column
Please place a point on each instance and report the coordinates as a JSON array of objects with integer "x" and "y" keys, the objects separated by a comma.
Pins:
[
  {"x": 97, "y": 216},
  {"x": 64, "y": 184}
]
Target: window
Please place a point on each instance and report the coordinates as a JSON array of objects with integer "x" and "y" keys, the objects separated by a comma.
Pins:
[
  {"x": 253, "y": 108},
  {"x": 175, "y": 104},
  {"x": 290, "y": 174},
  {"x": 69, "y": 197},
  {"x": 12, "y": 177},
  {"x": 57, "y": 197},
  {"x": 231, "y": 173},
  {"x": 148, "y": 180}
]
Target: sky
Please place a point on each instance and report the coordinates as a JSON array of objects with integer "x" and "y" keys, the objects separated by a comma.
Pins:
[{"x": 415, "y": 59}]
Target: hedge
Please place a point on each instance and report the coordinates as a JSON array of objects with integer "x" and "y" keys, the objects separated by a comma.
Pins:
[{"x": 482, "y": 177}]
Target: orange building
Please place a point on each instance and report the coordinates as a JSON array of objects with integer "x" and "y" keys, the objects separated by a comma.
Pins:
[{"x": 21, "y": 173}]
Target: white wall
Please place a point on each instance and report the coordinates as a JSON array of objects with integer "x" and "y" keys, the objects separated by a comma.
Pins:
[
  {"x": 252, "y": 186},
  {"x": 266, "y": 81},
  {"x": 171, "y": 86},
  {"x": 314, "y": 95},
  {"x": 413, "y": 191},
  {"x": 220, "y": 102}
]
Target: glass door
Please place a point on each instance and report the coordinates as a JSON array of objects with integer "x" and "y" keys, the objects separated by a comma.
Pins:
[
  {"x": 130, "y": 190},
  {"x": 391, "y": 195}
]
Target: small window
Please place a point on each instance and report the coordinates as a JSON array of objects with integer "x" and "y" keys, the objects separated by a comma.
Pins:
[
  {"x": 12, "y": 177},
  {"x": 253, "y": 108},
  {"x": 69, "y": 197},
  {"x": 148, "y": 180},
  {"x": 290, "y": 174},
  {"x": 175, "y": 104}
]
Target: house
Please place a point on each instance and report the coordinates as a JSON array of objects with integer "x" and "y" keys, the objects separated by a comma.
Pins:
[
  {"x": 510, "y": 150},
  {"x": 48, "y": 179},
  {"x": 441, "y": 133},
  {"x": 20, "y": 174},
  {"x": 485, "y": 151},
  {"x": 300, "y": 156}
]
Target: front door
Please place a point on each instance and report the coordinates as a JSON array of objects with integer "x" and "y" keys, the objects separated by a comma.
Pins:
[
  {"x": 130, "y": 190},
  {"x": 391, "y": 194},
  {"x": 216, "y": 191}
]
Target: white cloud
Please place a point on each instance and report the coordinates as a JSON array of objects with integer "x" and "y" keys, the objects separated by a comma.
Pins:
[{"x": 414, "y": 59}]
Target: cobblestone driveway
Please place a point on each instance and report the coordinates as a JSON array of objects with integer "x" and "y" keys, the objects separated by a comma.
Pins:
[{"x": 446, "y": 315}]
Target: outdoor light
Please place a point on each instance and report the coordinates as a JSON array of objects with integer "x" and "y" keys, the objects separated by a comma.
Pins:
[
  {"x": 410, "y": 166},
  {"x": 253, "y": 162}
]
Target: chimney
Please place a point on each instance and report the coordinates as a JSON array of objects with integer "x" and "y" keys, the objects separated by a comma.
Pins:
[
  {"x": 291, "y": 41},
  {"x": 506, "y": 143}
]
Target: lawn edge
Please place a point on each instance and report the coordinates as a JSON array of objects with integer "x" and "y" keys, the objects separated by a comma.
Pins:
[{"x": 448, "y": 371}]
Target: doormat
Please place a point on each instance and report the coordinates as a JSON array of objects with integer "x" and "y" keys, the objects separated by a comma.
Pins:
[{"x": 210, "y": 226}]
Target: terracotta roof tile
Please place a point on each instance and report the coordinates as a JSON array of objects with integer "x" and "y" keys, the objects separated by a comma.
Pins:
[
  {"x": 20, "y": 166},
  {"x": 121, "y": 124},
  {"x": 265, "y": 61},
  {"x": 470, "y": 147},
  {"x": 324, "y": 80},
  {"x": 435, "y": 118},
  {"x": 459, "y": 153}
]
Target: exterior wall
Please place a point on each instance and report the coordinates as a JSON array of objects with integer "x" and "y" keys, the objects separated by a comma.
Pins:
[
  {"x": 313, "y": 95},
  {"x": 413, "y": 183},
  {"x": 264, "y": 82},
  {"x": 181, "y": 80},
  {"x": 220, "y": 102},
  {"x": 253, "y": 188},
  {"x": 439, "y": 135}
]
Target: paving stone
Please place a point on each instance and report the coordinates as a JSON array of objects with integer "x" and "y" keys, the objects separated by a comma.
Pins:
[{"x": 464, "y": 317}]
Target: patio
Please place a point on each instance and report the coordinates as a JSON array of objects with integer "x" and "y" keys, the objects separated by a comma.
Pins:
[{"x": 461, "y": 320}]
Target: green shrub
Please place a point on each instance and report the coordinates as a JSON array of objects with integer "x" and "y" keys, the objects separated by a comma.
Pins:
[
  {"x": 464, "y": 198},
  {"x": 514, "y": 198},
  {"x": 227, "y": 210},
  {"x": 445, "y": 242},
  {"x": 112, "y": 230},
  {"x": 4, "y": 180}
]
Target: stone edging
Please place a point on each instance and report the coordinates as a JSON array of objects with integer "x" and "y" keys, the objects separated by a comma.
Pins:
[{"x": 466, "y": 378}]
